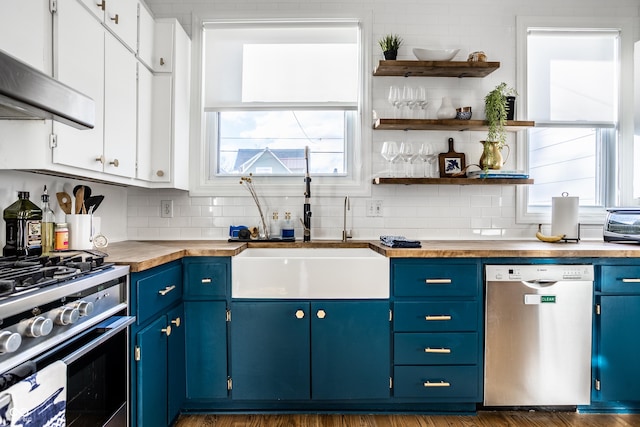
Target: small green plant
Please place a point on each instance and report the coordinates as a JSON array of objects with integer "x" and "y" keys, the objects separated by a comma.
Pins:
[
  {"x": 390, "y": 42},
  {"x": 495, "y": 109}
]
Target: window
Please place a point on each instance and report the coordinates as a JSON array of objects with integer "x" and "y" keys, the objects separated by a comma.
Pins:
[
  {"x": 572, "y": 90},
  {"x": 273, "y": 88}
]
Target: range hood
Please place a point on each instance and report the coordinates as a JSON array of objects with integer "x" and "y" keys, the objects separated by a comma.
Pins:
[{"x": 27, "y": 93}]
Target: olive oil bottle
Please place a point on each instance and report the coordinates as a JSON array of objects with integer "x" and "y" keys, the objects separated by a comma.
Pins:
[
  {"x": 23, "y": 227},
  {"x": 48, "y": 224}
]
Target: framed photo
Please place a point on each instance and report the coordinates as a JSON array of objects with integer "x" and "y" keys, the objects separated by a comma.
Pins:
[{"x": 451, "y": 163}]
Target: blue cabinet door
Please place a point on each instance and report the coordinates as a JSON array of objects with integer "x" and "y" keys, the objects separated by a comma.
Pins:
[
  {"x": 350, "y": 344},
  {"x": 176, "y": 362},
  {"x": 151, "y": 371},
  {"x": 206, "y": 349},
  {"x": 270, "y": 350},
  {"x": 619, "y": 348}
]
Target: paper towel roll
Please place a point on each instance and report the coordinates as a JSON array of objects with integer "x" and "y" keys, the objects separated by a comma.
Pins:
[{"x": 564, "y": 216}]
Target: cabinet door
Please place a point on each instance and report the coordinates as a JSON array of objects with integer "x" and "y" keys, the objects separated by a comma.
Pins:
[
  {"x": 206, "y": 349},
  {"x": 270, "y": 350},
  {"x": 161, "y": 128},
  {"x": 163, "y": 45},
  {"x": 350, "y": 344},
  {"x": 79, "y": 58},
  {"x": 25, "y": 32},
  {"x": 151, "y": 392},
  {"x": 121, "y": 17},
  {"x": 147, "y": 28},
  {"x": 176, "y": 362},
  {"x": 119, "y": 109},
  {"x": 619, "y": 348},
  {"x": 145, "y": 103}
]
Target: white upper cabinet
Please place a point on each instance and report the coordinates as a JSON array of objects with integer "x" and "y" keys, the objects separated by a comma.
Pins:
[
  {"x": 120, "y": 16},
  {"x": 28, "y": 43},
  {"x": 146, "y": 35}
]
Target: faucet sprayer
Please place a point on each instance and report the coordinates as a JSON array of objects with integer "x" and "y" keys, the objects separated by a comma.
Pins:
[{"x": 306, "y": 236}]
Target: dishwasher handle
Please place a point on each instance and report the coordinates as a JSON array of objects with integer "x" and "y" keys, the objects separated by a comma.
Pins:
[{"x": 539, "y": 283}]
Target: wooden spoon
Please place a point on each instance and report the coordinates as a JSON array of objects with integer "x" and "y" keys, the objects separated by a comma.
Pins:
[
  {"x": 80, "y": 201},
  {"x": 64, "y": 200}
]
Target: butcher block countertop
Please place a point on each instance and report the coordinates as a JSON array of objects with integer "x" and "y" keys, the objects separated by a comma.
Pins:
[{"x": 142, "y": 255}]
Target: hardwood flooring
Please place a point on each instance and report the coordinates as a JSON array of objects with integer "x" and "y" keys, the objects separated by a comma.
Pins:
[{"x": 482, "y": 419}]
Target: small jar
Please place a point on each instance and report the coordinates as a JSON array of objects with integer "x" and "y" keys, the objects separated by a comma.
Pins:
[{"x": 62, "y": 237}]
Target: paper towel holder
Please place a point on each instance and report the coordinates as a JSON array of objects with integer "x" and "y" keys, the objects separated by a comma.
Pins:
[{"x": 575, "y": 239}]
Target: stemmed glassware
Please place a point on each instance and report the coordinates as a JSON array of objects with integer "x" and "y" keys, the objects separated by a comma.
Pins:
[
  {"x": 394, "y": 99},
  {"x": 390, "y": 153},
  {"x": 428, "y": 157},
  {"x": 408, "y": 154},
  {"x": 408, "y": 99},
  {"x": 421, "y": 101}
]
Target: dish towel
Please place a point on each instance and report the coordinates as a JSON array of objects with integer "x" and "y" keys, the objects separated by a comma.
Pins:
[
  {"x": 38, "y": 400},
  {"x": 399, "y": 242}
]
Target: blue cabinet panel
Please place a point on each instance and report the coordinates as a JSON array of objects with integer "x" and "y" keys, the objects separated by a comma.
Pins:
[
  {"x": 423, "y": 278},
  {"x": 436, "y": 382},
  {"x": 206, "y": 277},
  {"x": 151, "y": 370},
  {"x": 176, "y": 361},
  {"x": 350, "y": 344},
  {"x": 270, "y": 350},
  {"x": 435, "y": 348},
  {"x": 157, "y": 291},
  {"x": 206, "y": 349},
  {"x": 620, "y": 279},
  {"x": 428, "y": 316}
]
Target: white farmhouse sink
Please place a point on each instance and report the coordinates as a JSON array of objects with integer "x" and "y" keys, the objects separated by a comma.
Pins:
[{"x": 309, "y": 273}]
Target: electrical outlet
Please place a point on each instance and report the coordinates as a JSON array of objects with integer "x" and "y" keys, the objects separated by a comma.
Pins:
[
  {"x": 374, "y": 207},
  {"x": 166, "y": 209}
]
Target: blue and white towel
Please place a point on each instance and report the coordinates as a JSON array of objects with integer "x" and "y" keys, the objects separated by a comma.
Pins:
[
  {"x": 39, "y": 400},
  {"x": 399, "y": 242}
]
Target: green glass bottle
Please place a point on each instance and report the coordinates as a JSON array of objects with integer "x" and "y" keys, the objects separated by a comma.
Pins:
[{"x": 23, "y": 227}]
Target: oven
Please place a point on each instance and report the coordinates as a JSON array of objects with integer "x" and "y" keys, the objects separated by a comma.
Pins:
[{"x": 64, "y": 338}]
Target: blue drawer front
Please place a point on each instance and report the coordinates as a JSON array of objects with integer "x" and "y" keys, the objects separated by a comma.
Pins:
[
  {"x": 157, "y": 292},
  {"x": 435, "y": 348},
  {"x": 620, "y": 279},
  {"x": 436, "y": 382},
  {"x": 207, "y": 279},
  {"x": 435, "y": 280},
  {"x": 441, "y": 316}
]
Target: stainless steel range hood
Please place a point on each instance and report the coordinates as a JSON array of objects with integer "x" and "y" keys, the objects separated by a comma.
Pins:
[{"x": 27, "y": 93}]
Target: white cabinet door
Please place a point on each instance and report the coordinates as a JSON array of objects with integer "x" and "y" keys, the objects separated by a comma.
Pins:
[
  {"x": 79, "y": 62},
  {"x": 29, "y": 43},
  {"x": 96, "y": 7},
  {"x": 121, "y": 17},
  {"x": 163, "y": 47},
  {"x": 145, "y": 97},
  {"x": 119, "y": 109},
  {"x": 146, "y": 27},
  {"x": 162, "y": 129}
]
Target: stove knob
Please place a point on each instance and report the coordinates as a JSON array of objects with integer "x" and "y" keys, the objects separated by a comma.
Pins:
[
  {"x": 85, "y": 308},
  {"x": 9, "y": 341},
  {"x": 67, "y": 315},
  {"x": 39, "y": 327}
]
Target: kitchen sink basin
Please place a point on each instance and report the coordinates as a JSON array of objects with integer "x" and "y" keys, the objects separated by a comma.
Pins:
[{"x": 310, "y": 273}]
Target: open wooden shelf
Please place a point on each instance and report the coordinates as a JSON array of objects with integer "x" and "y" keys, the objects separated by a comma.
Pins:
[
  {"x": 435, "y": 68},
  {"x": 453, "y": 181},
  {"x": 445, "y": 124}
]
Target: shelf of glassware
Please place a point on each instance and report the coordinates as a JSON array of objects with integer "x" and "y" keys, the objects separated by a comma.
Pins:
[
  {"x": 435, "y": 68},
  {"x": 446, "y": 124},
  {"x": 453, "y": 181}
]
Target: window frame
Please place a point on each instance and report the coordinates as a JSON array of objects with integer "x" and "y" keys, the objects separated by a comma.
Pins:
[
  {"x": 620, "y": 171},
  {"x": 355, "y": 183}
]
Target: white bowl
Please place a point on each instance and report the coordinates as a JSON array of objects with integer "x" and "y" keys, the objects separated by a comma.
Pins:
[{"x": 435, "y": 54}]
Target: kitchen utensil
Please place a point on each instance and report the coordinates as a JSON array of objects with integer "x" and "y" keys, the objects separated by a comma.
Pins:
[
  {"x": 64, "y": 200},
  {"x": 451, "y": 163},
  {"x": 92, "y": 203},
  {"x": 79, "y": 208},
  {"x": 87, "y": 192}
]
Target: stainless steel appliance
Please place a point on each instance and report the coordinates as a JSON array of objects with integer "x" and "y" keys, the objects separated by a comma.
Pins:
[
  {"x": 622, "y": 225},
  {"x": 70, "y": 307},
  {"x": 538, "y": 335}
]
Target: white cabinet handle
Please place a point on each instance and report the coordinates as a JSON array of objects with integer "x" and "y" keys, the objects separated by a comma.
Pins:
[
  {"x": 438, "y": 317},
  {"x": 166, "y": 290},
  {"x": 440, "y": 384},
  {"x": 206, "y": 280},
  {"x": 437, "y": 350},
  {"x": 630, "y": 280},
  {"x": 438, "y": 281}
]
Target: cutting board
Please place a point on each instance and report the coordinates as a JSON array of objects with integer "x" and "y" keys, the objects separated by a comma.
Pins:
[{"x": 452, "y": 163}]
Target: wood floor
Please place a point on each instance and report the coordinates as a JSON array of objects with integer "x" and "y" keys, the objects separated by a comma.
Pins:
[{"x": 482, "y": 419}]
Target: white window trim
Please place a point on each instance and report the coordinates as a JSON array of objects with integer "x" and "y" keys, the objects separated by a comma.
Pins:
[
  {"x": 358, "y": 181},
  {"x": 624, "y": 160}
]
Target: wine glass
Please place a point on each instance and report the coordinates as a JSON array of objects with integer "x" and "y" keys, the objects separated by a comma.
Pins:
[
  {"x": 408, "y": 155},
  {"x": 421, "y": 101},
  {"x": 390, "y": 153},
  {"x": 425, "y": 153},
  {"x": 408, "y": 99},
  {"x": 394, "y": 98}
]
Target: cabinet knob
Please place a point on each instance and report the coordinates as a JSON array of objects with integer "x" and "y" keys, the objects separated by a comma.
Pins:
[
  {"x": 321, "y": 314},
  {"x": 160, "y": 173},
  {"x": 300, "y": 314},
  {"x": 101, "y": 4},
  {"x": 115, "y": 19},
  {"x": 176, "y": 322},
  {"x": 115, "y": 163},
  {"x": 167, "y": 330},
  {"x": 100, "y": 159},
  {"x": 162, "y": 61}
]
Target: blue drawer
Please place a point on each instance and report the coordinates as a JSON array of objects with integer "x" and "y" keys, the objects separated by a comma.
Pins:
[
  {"x": 439, "y": 316},
  {"x": 420, "y": 279},
  {"x": 436, "y": 382},
  {"x": 620, "y": 279},
  {"x": 207, "y": 278},
  {"x": 157, "y": 291},
  {"x": 454, "y": 348}
]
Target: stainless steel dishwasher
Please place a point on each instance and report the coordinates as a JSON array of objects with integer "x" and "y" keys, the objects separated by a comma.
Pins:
[{"x": 538, "y": 335}]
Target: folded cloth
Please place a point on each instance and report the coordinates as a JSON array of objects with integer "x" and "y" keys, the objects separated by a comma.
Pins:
[{"x": 399, "y": 242}]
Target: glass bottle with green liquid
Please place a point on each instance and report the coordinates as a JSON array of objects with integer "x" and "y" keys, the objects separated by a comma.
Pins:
[
  {"x": 48, "y": 224},
  {"x": 23, "y": 227}
]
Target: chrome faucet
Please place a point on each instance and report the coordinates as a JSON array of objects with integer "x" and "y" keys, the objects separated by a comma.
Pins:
[{"x": 347, "y": 207}]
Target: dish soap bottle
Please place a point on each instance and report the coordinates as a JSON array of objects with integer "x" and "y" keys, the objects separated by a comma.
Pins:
[
  {"x": 23, "y": 234},
  {"x": 48, "y": 224}
]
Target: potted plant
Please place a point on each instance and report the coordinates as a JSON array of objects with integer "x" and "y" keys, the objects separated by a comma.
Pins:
[
  {"x": 390, "y": 45},
  {"x": 496, "y": 110}
]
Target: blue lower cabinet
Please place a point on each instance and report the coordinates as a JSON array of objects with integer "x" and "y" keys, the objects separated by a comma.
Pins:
[
  {"x": 176, "y": 361},
  {"x": 206, "y": 349},
  {"x": 436, "y": 382}
]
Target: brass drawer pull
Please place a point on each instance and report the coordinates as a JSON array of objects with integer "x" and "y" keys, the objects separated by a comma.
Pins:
[
  {"x": 167, "y": 330},
  {"x": 176, "y": 322},
  {"x": 630, "y": 280},
  {"x": 437, "y": 350},
  {"x": 206, "y": 280},
  {"x": 166, "y": 290},
  {"x": 440, "y": 384},
  {"x": 438, "y": 281},
  {"x": 439, "y": 317}
]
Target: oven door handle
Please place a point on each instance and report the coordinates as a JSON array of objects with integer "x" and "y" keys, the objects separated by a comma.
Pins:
[{"x": 113, "y": 329}]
